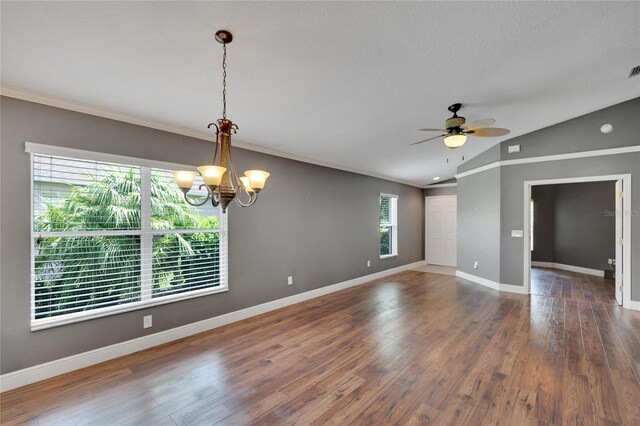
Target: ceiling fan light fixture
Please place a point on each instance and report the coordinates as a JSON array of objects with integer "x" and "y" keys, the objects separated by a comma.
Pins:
[
  {"x": 455, "y": 140},
  {"x": 457, "y": 128}
]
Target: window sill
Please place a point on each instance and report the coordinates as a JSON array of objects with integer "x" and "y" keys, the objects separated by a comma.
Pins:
[
  {"x": 387, "y": 256},
  {"x": 45, "y": 323}
]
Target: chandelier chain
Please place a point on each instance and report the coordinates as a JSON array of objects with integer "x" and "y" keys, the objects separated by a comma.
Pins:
[{"x": 224, "y": 80}]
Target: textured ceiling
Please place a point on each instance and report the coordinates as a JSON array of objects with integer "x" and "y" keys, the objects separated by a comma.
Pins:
[{"x": 345, "y": 84}]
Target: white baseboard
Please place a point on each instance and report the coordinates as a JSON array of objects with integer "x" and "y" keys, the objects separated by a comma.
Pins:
[
  {"x": 491, "y": 284},
  {"x": 478, "y": 280},
  {"x": 634, "y": 305},
  {"x": 510, "y": 288},
  {"x": 570, "y": 268},
  {"x": 39, "y": 372},
  {"x": 542, "y": 264}
]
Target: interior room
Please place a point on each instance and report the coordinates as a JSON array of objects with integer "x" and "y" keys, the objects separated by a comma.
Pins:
[
  {"x": 574, "y": 231},
  {"x": 363, "y": 213}
]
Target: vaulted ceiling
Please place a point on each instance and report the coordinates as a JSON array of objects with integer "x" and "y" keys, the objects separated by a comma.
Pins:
[{"x": 342, "y": 84}]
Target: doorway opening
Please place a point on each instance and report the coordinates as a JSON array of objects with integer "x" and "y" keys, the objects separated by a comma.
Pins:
[{"x": 574, "y": 238}]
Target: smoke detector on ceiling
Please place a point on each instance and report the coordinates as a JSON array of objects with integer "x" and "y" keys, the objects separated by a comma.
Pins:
[{"x": 606, "y": 128}]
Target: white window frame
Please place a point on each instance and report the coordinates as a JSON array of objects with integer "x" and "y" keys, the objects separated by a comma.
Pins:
[
  {"x": 394, "y": 226},
  {"x": 146, "y": 236}
]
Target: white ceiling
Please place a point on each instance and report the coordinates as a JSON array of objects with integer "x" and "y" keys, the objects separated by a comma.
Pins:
[{"x": 345, "y": 84}]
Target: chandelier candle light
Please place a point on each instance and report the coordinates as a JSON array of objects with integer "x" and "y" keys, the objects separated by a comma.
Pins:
[{"x": 220, "y": 179}]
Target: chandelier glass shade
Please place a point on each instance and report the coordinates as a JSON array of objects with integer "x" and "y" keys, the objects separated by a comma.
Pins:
[{"x": 221, "y": 181}]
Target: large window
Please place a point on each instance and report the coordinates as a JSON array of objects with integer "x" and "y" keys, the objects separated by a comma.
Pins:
[
  {"x": 388, "y": 225},
  {"x": 110, "y": 237}
]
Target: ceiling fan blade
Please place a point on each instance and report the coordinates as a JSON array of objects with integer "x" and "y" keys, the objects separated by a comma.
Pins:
[
  {"x": 427, "y": 140},
  {"x": 477, "y": 124},
  {"x": 489, "y": 132},
  {"x": 432, "y": 130}
]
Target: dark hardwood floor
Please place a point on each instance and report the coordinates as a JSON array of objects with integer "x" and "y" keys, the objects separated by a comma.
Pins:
[
  {"x": 414, "y": 348},
  {"x": 572, "y": 285}
]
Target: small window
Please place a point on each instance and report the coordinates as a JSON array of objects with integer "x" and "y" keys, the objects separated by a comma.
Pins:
[
  {"x": 388, "y": 225},
  {"x": 110, "y": 237}
]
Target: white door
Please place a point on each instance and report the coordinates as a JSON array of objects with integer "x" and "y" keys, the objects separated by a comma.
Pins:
[
  {"x": 440, "y": 227},
  {"x": 619, "y": 246}
]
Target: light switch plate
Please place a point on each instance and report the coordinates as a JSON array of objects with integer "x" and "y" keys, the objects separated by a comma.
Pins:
[
  {"x": 517, "y": 233},
  {"x": 514, "y": 148}
]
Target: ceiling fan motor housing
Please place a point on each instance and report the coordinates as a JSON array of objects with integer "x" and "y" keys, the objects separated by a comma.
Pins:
[{"x": 454, "y": 122}]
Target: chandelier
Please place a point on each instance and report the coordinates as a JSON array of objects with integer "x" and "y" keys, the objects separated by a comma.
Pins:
[{"x": 221, "y": 181}]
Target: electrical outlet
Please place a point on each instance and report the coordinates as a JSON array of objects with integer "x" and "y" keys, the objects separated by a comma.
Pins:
[
  {"x": 368, "y": 263},
  {"x": 290, "y": 280},
  {"x": 147, "y": 321},
  {"x": 475, "y": 265}
]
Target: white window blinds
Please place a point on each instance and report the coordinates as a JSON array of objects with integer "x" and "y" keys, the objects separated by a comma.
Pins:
[
  {"x": 388, "y": 225},
  {"x": 113, "y": 237}
]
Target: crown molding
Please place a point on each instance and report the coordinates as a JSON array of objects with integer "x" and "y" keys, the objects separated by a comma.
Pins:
[
  {"x": 72, "y": 105},
  {"x": 554, "y": 157},
  {"x": 439, "y": 185}
]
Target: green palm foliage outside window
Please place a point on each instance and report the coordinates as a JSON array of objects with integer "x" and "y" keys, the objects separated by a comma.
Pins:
[
  {"x": 90, "y": 235},
  {"x": 388, "y": 224}
]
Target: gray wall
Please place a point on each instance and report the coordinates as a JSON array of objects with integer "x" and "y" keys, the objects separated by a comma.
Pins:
[
  {"x": 579, "y": 134},
  {"x": 570, "y": 224},
  {"x": 544, "y": 197},
  {"x": 435, "y": 192},
  {"x": 315, "y": 223},
  {"x": 585, "y": 236},
  {"x": 441, "y": 190},
  {"x": 479, "y": 224},
  {"x": 489, "y": 156},
  {"x": 513, "y": 178}
]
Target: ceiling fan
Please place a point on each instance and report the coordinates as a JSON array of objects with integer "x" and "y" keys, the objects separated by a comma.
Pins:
[{"x": 457, "y": 128}]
